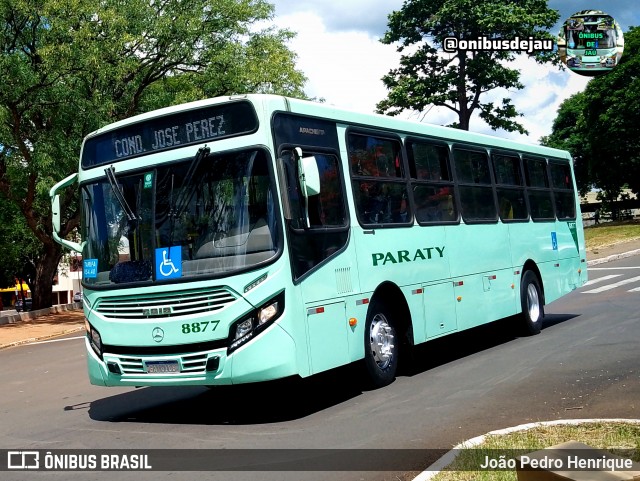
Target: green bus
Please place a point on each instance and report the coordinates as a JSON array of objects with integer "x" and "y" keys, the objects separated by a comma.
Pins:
[
  {"x": 594, "y": 42},
  {"x": 257, "y": 237}
]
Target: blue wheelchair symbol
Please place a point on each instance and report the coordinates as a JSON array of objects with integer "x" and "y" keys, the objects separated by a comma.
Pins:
[
  {"x": 554, "y": 241},
  {"x": 169, "y": 262}
]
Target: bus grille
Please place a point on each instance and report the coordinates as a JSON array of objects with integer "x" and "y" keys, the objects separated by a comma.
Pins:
[
  {"x": 189, "y": 364},
  {"x": 166, "y": 304}
]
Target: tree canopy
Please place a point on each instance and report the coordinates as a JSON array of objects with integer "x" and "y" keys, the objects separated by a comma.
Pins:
[
  {"x": 428, "y": 76},
  {"x": 601, "y": 126},
  {"x": 68, "y": 67}
]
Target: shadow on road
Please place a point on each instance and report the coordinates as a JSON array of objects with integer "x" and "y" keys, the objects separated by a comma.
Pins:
[
  {"x": 292, "y": 398},
  {"x": 268, "y": 402},
  {"x": 466, "y": 343}
]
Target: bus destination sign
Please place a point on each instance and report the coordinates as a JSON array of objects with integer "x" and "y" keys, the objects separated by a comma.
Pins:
[{"x": 170, "y": 132}]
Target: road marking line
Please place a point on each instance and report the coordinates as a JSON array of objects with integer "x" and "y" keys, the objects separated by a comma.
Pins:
[
  {"x": 600, "y": 279},
  {"x": 612, "y": 286},
  {"x": 58, "y": 340},
  {"x": 612, "y": 268},
  {"x": 637, "y": 289}
]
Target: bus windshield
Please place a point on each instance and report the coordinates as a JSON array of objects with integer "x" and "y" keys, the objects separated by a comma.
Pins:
[
  {"x": 582, "y": 39},
  {"x": 203, "y": 216}
]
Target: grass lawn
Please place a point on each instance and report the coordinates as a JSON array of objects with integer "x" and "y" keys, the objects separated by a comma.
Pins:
[
  {"x": 622, "y": 439},
  {"x": 609, "y": 233}
]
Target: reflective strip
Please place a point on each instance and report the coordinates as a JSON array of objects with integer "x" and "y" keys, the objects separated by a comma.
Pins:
[
  {"x": 417, "y": 291},
  {"x": 315, "y": 310},
  {"x": 360, "y": 302}
]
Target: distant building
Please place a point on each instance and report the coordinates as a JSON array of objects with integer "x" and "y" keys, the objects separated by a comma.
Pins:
[
  {"x": 627, "y": 205},
  {"x": 69, "y": 279}
]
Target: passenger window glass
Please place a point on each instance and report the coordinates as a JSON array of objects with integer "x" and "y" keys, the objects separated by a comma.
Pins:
[
  {"x": 379, "y": 186},
  {"x": 472, "y": 167},
  {"x": 511, "y": 204},
  {"x": 428, "y": 161},
  {"x": 477, "y": 203},
  {"x": 562, "y": 184},
  {"x": 432, "y": 183},
  {"x": 435, "y": 203},
  {"x": 536, "y": 173},
  {"x": 560, "y": 176},
  {"x": 507, "y": 169},
  {"x": 510, "y": 187},
  {"x": 375, "y": 157},
  {"x": 474, "y": 179},
  {"x": 328, "y": 232}
]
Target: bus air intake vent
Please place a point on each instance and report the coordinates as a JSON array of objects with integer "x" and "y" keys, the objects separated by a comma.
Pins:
[
  {"x": 343, "y": 280},
  {"x": 166, "y": 304}
]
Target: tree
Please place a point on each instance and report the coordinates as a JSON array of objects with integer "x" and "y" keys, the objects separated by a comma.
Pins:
[
  {"x": 601, "y": 126},
  {"x": 68, "y": 67},
  {"x": 568, "y": 133},
  {"x": 457, "y": 81}
]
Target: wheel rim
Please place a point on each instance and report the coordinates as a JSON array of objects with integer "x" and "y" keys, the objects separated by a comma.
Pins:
[
  {"x": 381, "y": 336},
  {"x": 533, "y": 303}
]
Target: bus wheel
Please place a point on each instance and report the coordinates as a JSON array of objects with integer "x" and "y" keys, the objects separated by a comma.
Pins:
[
  {"x": 380, "y": 346},
  {"x": 532, "y": 304}
]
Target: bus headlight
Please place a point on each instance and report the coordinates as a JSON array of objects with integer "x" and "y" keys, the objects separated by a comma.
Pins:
[
  {"x": 244, "y": 328},
  {"x": 267, "y": 313},
  {"x": 256, "y": 321},
  {"x": 94, "y": 338}
]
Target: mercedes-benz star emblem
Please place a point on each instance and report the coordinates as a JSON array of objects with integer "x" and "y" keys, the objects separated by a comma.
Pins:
[{"x": 157, "y": 334}]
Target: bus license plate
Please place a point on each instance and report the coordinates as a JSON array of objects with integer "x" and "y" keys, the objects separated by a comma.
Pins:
[{"x": 162, "y": 367}]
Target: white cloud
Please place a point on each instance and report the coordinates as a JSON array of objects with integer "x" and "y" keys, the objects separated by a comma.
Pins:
[
  {"x": 345, "y": 63},
  {"x": 345, "y": 68},
  {"x": 352, "y": 15}
]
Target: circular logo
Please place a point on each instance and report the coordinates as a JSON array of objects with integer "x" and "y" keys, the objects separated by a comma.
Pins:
[
  {"x": 590, "y": 43},
  {"x": 157, "y": 334}
]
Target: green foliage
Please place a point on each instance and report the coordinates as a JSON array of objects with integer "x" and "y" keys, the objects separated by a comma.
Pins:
[
  {"x": 68, "y": 67},
  {"x": 457, "y": 81},
  {"x": 601, "y": 126}
]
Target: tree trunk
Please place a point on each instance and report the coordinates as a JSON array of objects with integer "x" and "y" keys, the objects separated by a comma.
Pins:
[{"x": 45, "y": 272}]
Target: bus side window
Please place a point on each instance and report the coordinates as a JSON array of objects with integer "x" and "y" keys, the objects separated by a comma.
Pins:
[
  {"x": 510, "y": 187},
  {"x": 562, "y": 184},
  {"x": 328, "y": 230},
  {"x": 538, "y": 191},
  {"x": 378, "y": 180},
  {"x": 474, "y": 180},
  {"x": 431, "y": 182}
]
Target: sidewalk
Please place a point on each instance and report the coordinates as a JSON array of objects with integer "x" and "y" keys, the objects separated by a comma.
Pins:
[
  {"x": 26, "y": 327},
  {"x": 23, "y": 328}
]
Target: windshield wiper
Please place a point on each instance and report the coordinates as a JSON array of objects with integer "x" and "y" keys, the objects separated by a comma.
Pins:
[
  {"x": 183, "y": 197},
  {"x": 113, "y": 182},
  {"x": 185, "y": 194}
]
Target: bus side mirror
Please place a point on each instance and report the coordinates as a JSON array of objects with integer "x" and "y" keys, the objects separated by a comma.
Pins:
[
  {"x": 308, "y": 173},
  {"x": 55, "y": 213}
]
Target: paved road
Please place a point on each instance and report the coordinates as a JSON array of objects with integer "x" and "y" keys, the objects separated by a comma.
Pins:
[{"x": 584, "y": 364}]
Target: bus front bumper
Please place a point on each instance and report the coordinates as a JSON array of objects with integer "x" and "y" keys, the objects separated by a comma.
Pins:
[{"x": 271, "y": 355}]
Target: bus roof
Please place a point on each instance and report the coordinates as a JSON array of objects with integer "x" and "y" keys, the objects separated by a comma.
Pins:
[{"x": 274, "y": 103}]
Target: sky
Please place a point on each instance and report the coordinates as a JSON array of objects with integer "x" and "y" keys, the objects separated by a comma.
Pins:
[{"x": 338, "y": 49}]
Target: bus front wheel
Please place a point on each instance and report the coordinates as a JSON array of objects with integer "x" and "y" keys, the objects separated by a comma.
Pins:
[
  {"x": 532, "y": 304},
  {"x": 381, "y": 346}
]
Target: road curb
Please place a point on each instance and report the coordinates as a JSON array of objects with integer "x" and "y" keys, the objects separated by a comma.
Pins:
[
  {"x": 40, "y": 338},
  {"x": 31, "y": 315},
  {"x": 613, "y": 257},
  {"x": 448, "y": 458}
]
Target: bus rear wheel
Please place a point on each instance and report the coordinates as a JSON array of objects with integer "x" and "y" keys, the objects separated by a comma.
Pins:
[
  {"x": 532, "y": 304},
  {"x": 381, "y": 346}
]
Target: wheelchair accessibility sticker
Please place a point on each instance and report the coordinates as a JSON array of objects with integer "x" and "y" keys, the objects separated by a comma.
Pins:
[
  {"x": 554, "y": 241},
  {"x": 169, "y": 262}
]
